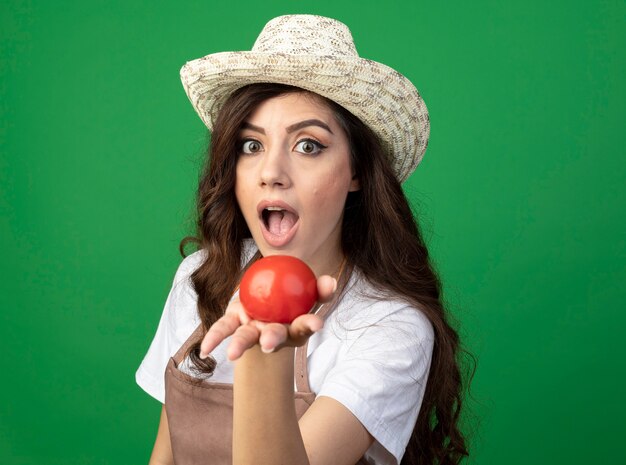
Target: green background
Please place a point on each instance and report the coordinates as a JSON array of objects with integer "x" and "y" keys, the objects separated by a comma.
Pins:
[{"x": 520, "y": 194}]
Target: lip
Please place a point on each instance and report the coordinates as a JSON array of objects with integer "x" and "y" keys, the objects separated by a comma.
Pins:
[{"x": 275, "y": 240}]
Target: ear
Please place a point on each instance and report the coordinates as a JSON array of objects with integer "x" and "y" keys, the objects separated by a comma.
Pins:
[{"x": 355, "y": 185}]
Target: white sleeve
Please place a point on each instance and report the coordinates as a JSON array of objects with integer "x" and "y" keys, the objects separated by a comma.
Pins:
[
  {"x": 178, "y": 321},
  {"x": 380, "y": 375}
]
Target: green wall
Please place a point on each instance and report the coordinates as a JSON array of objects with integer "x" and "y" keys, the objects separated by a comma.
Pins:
[{"x": 519, "y": 195}]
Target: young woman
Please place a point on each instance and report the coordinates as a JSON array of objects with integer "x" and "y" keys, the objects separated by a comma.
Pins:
[{"x": 309, "y": 146}]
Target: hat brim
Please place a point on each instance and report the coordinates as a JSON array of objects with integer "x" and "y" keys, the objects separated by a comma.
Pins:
[{"x": 380, "y": 96}]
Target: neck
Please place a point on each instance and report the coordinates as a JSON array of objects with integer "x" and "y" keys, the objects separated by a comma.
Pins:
[{"x": 332, "y": 266}]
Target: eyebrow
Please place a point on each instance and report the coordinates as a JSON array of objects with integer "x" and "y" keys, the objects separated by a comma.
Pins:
[{"x": 292, "y": 128}]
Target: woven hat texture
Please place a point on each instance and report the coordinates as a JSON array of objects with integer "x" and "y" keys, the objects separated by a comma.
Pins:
[{"x": 318, "y": 54}]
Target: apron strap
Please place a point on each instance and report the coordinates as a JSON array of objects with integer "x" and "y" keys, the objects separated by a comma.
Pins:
[
  {"x": 322, "y": 310},
  {"x": 195, "y": 336}
]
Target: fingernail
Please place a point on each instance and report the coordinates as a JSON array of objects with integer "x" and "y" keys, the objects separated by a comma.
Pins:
[
  {"x": 266, "y": 350},
  {"x": 203, "y": 355},
  {"x": 334, "y": 285}
]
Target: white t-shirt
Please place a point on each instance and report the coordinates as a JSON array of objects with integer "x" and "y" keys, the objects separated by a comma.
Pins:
[{"x": 372, "y": 355}]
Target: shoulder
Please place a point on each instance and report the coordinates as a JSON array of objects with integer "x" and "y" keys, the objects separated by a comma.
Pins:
[
  {"x": 248, "y": 249},
  {"x": 364, "y": 305},
  {"x": 373, "y": 356},
  {"x": 189, "y": 264},
  {"x": 193, "y": 261}
]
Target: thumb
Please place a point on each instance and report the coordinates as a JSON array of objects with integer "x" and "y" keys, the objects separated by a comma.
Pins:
[{"x": 326, "y": 287}]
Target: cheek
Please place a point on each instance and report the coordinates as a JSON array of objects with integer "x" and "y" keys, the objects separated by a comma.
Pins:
[
  {"x": 335, "y": 183},
  {"x": 326, "y": 188},
  {"x": 330, "y": 194}
]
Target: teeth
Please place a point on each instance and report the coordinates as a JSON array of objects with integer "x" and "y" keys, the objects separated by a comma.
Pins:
[{"x": 275, "y": 209}]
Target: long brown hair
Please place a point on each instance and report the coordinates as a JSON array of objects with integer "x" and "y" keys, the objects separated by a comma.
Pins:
[{"x": 400, "y": 266}]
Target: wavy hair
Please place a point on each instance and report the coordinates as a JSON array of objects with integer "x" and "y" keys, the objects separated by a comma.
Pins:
[{"x": 401, "y": 266}]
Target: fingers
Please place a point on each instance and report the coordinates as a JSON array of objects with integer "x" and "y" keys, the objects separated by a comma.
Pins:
[
  {"x": 305, "y": 325},
  {"x": 219, "y": 331},
  {"x": 244, "y": 338},
  {"x": 326, "y": 287},
  {"x": 270, "y": 336},
  {"x": 275, "y": 335}
]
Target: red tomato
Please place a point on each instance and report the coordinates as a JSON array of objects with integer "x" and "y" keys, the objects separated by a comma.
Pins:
[{"x": 278, "y": 289}]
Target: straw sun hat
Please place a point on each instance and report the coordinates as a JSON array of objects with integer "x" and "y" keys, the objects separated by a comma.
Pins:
[{"x": 318, "y": 54}]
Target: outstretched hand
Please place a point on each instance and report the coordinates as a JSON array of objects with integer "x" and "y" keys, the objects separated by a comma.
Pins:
[{"x": 246, "y": 332}]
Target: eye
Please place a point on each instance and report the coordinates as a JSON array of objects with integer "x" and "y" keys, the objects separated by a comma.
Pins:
[
  {"x": 250, "y": 146},
  {"x": 309, "y": 146}
]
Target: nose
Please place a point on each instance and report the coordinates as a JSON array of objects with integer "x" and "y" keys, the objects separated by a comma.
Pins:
[{"x": 274, "y": 168}]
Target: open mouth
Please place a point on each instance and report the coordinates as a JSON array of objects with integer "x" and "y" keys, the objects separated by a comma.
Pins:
[{"x": 278, "y": 221}]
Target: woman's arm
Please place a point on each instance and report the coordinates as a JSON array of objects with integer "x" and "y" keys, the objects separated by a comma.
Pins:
[
  {"x": 162, "y": 451},
  {"x": 332, "y": 434},
  {"x": 265, "y": 426}
]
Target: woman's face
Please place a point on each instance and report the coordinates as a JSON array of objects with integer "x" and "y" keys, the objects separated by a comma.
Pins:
[{"x": 293, "y": 176}]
